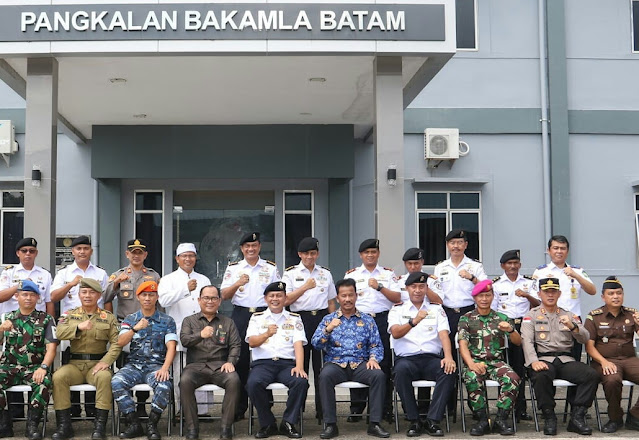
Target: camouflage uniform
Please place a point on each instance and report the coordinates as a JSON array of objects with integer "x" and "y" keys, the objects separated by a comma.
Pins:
[
  {"x": 25, "y": 347},
  {"x": 486, "y": 344}
]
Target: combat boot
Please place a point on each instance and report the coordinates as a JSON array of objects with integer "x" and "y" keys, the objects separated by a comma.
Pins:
[
  {"x": 99, "y": 424},
  {"x": 6, "y": 424},
  {"x": 502, "y": 422},
  {"x": 577, "y": 421},
  {"x": 152, "y": 426},
  {"x": 64, "y": 429},
  {"x": 34, "y": 417},
  {"x": 135, "y": 428},
  {"x": 550, "y": 421},
  {"x": 483, "y": 425}
]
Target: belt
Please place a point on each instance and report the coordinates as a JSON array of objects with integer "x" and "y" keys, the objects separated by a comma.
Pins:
[
  {"x": 374, "y": 315},
  {"x": 252, "y": 309},
  {"x": 311, "y": 312},
  {"x": 86, "y": 357},
  {"x": 517, "y": 320},
  {"x": 464, "y": 309},
  {"x": 274, "y": 359},
  {"x": 554, "y": 354}
]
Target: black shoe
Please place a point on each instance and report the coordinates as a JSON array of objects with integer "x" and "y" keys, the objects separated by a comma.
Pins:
[
  {"x": 99, "y": 424},
  {"x": 64, "y": 429},
  {"x": 432, "y": 428},
  {"x": 632, "y": 422},
  {"x": 376, "y": 430},
  {"x": 415, "y": 429},
  {"x": 482, "y": 426},
  {"x": 330, "y": 431},
  {"x": 289, "y": 430},
  {"x": 226, "y": 433},
  {"x": 502, "y": 423},
  {"x": 523, "y": 416},
  {"x": 34, "y": 417},
  {"x": 152, "y": 426},
  {"x": 550, "y": 422},
  {"x": 267, "y": 431},
  {"x": 611, "y": 427},
  {"x": 354, "y": 419},
  {"x": 192, "y": 434},
  {"x": 577, "y": 421},
  {"x": 134, "y": 429}
]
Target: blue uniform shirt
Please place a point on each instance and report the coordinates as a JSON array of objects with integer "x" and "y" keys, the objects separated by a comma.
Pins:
[
  {"x": 148, "y": 345},
  {"x": 354, "y": 341}
]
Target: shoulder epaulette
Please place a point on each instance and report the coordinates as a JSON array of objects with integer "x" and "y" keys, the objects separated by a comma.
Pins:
[
  {"x": 258, "y": 313},
  {"x": 233, "y": 263},
  {"x": 8, "y": 266},
  {"x": 270, "y": 262},
  {"x": 542, "y": 266},
  {"x": 629, "y": 309},
  {"x": 528, "y": 277},
  {"x": 150, "y": 269},
  {"x": 388, "y": 268},
  {"x": 433, "y": 276},
  {"x": 575, "y": 267},
  {"x": 325, "y": 268},
  {"x": 351, "y": 270},
  {"x": 100, "y": 267},
  {"x": 476, "y": 260},
  {"x": 107, "y": 312},
  {"x": 398, "y": 304},
  {"x": 496, "y": 279},
  {"x": 595, "y": 312},
  {"x": 293, "y": 314},
  {"x": 439, "y": 262},
  {"x": 289, "y": 268}
]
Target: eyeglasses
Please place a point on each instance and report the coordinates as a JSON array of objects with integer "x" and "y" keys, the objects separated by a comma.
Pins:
[
  {"x": 208, "y": 299},
  {"x": 28, "y": 251}
]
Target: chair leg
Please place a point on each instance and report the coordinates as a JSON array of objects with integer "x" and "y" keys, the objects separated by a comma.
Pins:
[
  {"x": 597, "y": 413},
  {"x": 533, "y": 404},
  {"x": 250, "y": 417},
  {"x": 632, "y": 388},
  {"x": 566, "y": 408},
  {"x": 395, "y": 410},
  {"x": 462, "y": 411}
]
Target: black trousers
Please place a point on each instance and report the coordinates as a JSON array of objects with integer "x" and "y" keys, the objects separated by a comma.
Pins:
[
  {"x": 332, "y": 374},
  {"x": 453, "y": 316},
  {"x": 311, "y": 354},
  {"x": 516, "y": 361},
  {"x": 584, "y": 376}
]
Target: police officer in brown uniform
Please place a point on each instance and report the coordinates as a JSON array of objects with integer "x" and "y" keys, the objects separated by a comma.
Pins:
[{"x": 612, "y": 329}]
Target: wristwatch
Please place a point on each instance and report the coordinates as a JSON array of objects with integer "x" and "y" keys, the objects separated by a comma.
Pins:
[
  {"x": 44, "y": 366},
  {"x": 411, "y": 323},
  {"x": 380, "y": 286}
]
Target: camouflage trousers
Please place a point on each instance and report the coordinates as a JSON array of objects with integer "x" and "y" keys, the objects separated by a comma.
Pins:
[
  {"x": 11, "y": 374},
  {"x": 495, "y": 370},
  {"x": 133, "y": 374}
]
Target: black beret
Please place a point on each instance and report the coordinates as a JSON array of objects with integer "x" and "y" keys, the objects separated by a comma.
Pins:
[
  {"x": 26, "y": 241},
  {"x": 416, "y": 277},
  {"x": 548, "y": 283},
  {"x": 82, "y": 239},
  {"x": 250, "y": 237},
  {"x": 457, "y": 233},
  {"x": 512, "y": 254},
  {"x": 277, "y": 286},
  {"x": 136, "y": 243},
  {"x": 308, "y": 244},
  {"x": 612, "y": 283},
  {"x": 413, "y": 254},
  {"x": 371, "y": 243}
]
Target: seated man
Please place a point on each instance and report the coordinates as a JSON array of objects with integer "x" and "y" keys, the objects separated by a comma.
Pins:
[
  {"x": 89, "y": 329},
  {"x": 353, "y": 350},
  {"x": 29, "y": 351},
  {"x": 612, "y": 329},
  {"x": 420, "y": 334},
  {"x": 481, "y": 345},
  {"x": 213, "y": 349},
  {"x": 548, "y": 333},
  {"x": 152, "y": 336},
  {"x": 276, "y": 338}
]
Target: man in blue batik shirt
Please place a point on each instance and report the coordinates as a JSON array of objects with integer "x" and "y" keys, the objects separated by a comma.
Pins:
[
  {"x": 153, "y": 338},
  {"x": 353, "y": 350}
]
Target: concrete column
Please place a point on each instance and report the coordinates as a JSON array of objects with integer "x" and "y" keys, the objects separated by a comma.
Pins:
[
  {"x": 40, "y": 151},
  {"x": 338, "y": 220},
  {"x": 389, "y": 150}
]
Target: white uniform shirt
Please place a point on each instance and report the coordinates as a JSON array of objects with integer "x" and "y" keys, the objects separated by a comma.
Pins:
[
  {"x": 12, "y": 275},
  {"x": 506, "y": 300},
  {"x": 313, "y": 299},
  {"x": 424, "y": 337},
  {"x": 174, "y": 295},
  {"x": 68, "y": 273},
  {"x": 252, "y": 293},
  {"x": 370, "y": 300},
  {"x": 457, "y": 291},
  {"x": 570, "y": 287},
  {"x": 290, "y": 329},
  {"x": 432, "y": 283}
]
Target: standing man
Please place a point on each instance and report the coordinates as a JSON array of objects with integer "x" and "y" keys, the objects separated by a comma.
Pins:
[
  {"x": 548, "y": 333},
  {"x": 178, "y": 293},
  {"x": 29, "y": 351},
  {"x": 481, "y": 345},
  {"x": 310, "y": 292},
  {"x": 89, "y": 329},
  {"x": 352, "y": 346},
  {"x": 572, "y": 280},
  {"x": 612, "y": 330},
  {"x": 27, "y": 251},
  {"x": 277, "y": 340},
  {"x": 65, "y": 284},
  {"x": 413, "y": 262},
  {"x": 244, "y": 283},
  {"x": 153, "y": 340},
  {"x": 420, "y": 334},
  {"x": 514, "y": 296},
  {"x": 213, "y": 345},
  {"x": 377, "y": 291}
]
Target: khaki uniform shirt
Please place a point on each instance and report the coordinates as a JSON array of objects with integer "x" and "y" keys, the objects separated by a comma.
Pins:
[
  {"x": 613, "y": 335},
  {"x": 125, "y": 292}
]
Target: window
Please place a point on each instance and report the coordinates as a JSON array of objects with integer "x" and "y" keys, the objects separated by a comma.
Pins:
[
  {"x": 635, "y": 26},
  {"x": 298, "y": 222},
  {"x": 440, "y": 212},
  {"x": 149, "y": 225},
  {"x": 466, "y": 11},
  {"x": 12, "y": 224}
]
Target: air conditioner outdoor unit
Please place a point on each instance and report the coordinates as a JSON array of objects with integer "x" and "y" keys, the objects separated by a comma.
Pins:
[
  {"x": 8, "y": 144},
  {"x": 441, "y": 143}
]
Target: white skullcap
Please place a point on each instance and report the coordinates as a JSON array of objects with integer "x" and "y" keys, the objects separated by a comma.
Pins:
[{"x": 185, "y": 247}]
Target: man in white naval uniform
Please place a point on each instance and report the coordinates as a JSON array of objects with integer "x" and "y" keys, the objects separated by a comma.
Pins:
[
  {"x": 377, "y": 291},
  {"x": 178, "y": 293},
  {"x": 413, "y": 262},
  {"x": 244, "y": 283}
]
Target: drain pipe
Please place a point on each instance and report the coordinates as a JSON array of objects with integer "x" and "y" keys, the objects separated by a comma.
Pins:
[
  {"x": 545, "y": 143},
  {"x": 95, "y": 243}
]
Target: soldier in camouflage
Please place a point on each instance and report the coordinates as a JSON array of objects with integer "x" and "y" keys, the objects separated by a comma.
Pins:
[
  {"x": 29, "y": 351},
  {"x": 481, "y": 346}
]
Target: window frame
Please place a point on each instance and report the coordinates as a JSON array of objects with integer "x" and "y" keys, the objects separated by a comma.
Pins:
[
  {"x": 2, "y": 212},
  {"x": 633, "y": 49},
  {"x": 476, "y": 48},
  {"x": 296, "y": 211},
  {"x": 151, "y": 211},
  {"x": 449, "y": 214}
]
